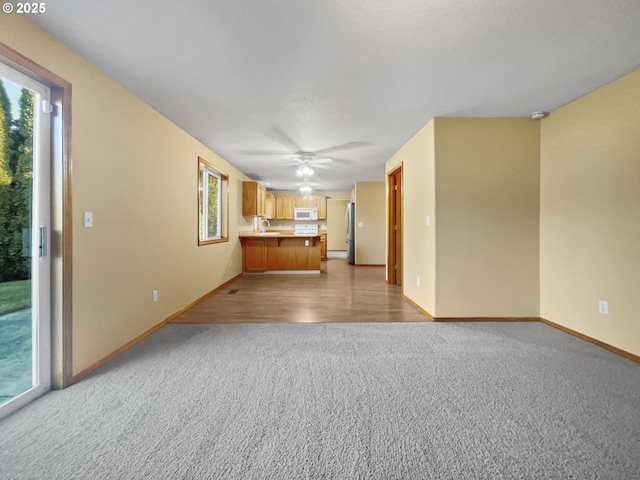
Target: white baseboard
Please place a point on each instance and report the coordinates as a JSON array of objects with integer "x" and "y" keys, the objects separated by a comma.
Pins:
[{"x": 337, "y": 254}]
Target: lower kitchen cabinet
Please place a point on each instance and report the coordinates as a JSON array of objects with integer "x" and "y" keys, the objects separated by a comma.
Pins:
[
  {"x": 280, "y": 253},
  {"x": 254, "y": 255}
]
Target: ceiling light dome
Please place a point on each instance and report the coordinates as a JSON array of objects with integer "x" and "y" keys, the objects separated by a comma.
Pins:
[{"x": 304, "y": 171}]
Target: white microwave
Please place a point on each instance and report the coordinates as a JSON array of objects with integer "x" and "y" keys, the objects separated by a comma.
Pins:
[{"x": 305, "y": 214}]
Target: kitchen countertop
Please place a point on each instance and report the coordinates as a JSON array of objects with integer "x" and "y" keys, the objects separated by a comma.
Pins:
[{"x": 269, "y": 234}]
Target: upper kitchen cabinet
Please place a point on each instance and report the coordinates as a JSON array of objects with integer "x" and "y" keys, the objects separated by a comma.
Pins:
[
  {"x": 253, "y": 199},
  {"x": 284, "y": 207},
  {"x": 313, "y": 201},
  {"x": 270, "y": 206},
  {"x": 305, "y": 201},
  {"x": 321, "y": 203}
]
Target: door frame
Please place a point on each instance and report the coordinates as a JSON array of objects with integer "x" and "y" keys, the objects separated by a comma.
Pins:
[
  {"x": 39, "y": 225},
  {"x": 61, "y": 213},
  {"x": 394, "y": 240}
]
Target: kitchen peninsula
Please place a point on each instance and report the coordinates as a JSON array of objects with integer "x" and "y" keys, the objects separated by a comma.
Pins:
[{"x": 276, "y": 252}]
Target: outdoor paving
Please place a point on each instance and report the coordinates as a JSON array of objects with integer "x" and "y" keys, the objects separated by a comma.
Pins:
[{"x": 15, "y": 353}]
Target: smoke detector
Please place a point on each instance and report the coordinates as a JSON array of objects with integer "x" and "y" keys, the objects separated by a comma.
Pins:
[{"x": 539, "y": 114}]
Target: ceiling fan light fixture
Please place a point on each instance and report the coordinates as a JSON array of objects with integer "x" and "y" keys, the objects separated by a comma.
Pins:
[
  {"x": 306, "y": 189},
  {"x": 304, "y": 171}
]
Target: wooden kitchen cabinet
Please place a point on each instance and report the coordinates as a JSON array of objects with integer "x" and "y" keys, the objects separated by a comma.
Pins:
[
  {"x": 305, "y": 201},
  {"x": 270, "y": 206},
  {"x": 313, "y": 201},
  {"x": 286, "y": 252},
  {"x": 323, "y": 246},
  {"x": 321, "y": 204},
  {"x": 284, "y": 207},
  {"x": 253, "y": 198},
  {"x": 254, "y": 255},
  {"x": 280, "y": 207}
]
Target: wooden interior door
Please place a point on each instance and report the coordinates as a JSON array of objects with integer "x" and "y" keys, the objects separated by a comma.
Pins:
[{"x": 394, "y": 263}]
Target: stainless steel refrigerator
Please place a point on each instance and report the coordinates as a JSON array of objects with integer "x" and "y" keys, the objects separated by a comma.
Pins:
[{"x": 350, "y": 225}]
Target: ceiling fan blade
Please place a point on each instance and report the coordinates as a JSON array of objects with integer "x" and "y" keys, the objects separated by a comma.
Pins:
[
  {"x": 344, "y": 146},
  {"x": 341, "y": 160},
  {"x": 296, "y": 163},
  {"x": 279, "y": 136},
  {"x": 320, "y": 160},
  {"x": 324, "y": 167}
]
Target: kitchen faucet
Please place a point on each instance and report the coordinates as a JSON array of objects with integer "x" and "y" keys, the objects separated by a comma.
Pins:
[{"x": 262, "y": 227}]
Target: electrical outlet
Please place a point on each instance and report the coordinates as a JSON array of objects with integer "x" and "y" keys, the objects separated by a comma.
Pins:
[
  {"x": 417, "y": 281},
  {"x": 306, "y": 243},
  {"x": 603, "y": 307},
  {"x": 428, "y": 221},
  {"x": 155, "y": 295}
]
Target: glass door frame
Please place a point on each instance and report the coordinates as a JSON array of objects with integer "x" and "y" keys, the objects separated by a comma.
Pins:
[
  {"x": 40, "y": 241},
  {"x": 61, "y": 247}
]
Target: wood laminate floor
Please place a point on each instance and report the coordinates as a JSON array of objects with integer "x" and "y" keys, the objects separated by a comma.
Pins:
[{"x": 341, "y": 293}]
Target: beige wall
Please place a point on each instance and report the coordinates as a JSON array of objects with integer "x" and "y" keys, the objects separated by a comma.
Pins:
[
  {"x": 477, "y": 180},
  {"x": 137, "y": 172},
  {"x": 336, "y": 231},
  {"x": 417, "y": 158},
  {"x": 590, "y": 220},
  {"x": 487, "y": 200},
  {"x": 370, "y": 202}
]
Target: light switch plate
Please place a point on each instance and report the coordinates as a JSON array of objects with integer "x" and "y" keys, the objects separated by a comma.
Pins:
[
  {"x": 88, "y": 219},
  {"x": 360, "y": 224}
]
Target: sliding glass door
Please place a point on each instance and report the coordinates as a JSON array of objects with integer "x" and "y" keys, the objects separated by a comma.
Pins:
[{"x": 25, "y": 347}]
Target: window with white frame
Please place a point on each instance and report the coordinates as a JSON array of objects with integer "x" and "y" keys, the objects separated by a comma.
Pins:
[{"x": 213, "y": 188}]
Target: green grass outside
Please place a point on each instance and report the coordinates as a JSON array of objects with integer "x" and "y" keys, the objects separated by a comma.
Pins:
[{"x": 15, "y": 296}]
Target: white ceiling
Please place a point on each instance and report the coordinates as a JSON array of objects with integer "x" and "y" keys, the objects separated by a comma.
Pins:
[{"x": 278, "y": 76}]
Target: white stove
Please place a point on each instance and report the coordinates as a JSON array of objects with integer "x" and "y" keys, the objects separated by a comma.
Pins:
[{"x": 305, "y": 229}]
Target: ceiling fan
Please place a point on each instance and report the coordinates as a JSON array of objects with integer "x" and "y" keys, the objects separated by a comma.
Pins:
[
  {"x": 305, "y": 160},
  {"x": 308, "y": 159}
]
